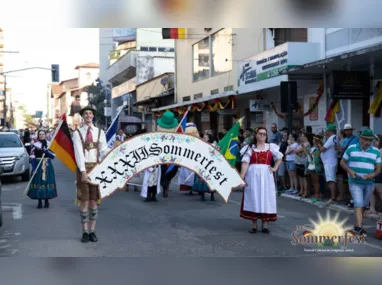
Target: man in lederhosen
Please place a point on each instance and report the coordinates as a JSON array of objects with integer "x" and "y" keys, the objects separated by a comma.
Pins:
[{"x": 89, "y": 143}]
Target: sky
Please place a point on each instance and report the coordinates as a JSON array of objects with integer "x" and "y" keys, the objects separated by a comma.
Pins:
[{"x": 39, "y": 47}]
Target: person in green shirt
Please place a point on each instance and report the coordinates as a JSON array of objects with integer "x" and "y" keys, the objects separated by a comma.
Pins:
[{"x": 362, "y": 162}]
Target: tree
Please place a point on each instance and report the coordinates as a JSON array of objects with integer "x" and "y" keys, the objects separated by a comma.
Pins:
[
  {"x": 96, "y": 97},
  {"x": 27, "y": 117}
]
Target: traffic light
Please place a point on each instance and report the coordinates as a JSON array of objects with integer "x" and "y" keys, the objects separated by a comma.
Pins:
[{"x": 55, "y": 73}]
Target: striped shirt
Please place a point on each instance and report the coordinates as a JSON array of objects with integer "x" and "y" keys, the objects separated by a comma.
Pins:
[{"x": 362, "y": 161}]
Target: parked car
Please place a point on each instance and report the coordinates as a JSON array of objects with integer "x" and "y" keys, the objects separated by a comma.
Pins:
[
  {"x": 13, "y": 157},
  {"x": 1, "y": 210},
  {"x": 16, "y": 131}
]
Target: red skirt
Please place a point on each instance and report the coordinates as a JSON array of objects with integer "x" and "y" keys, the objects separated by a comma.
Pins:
[
  {"x": 255, "y": 216},
  {"x": 185, "y": 187}
]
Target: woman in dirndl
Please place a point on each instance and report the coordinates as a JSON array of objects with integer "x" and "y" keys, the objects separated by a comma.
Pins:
[
  {"x": 259, "y": 197},
  {"x": 43, "y": 184}
]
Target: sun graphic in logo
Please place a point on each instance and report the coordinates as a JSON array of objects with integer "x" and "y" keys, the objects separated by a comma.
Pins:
[{"x": 329, "y": 227}]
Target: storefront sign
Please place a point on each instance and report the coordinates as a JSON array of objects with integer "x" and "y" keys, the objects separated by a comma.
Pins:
[
  {"x": 314, "y": 115},
  {"x": 350, "y": 85},
  {"x": 271, "y": 63},
  {"x": 146, "y": 150},
  {"x": 259, "y": 106}
]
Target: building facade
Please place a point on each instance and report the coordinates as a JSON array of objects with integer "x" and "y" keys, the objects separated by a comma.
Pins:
[
  {"x": 351, "y": 72},
  {"x": 221, "y": 73},
  {"x": 140, "y": 55},
  {"x": 69, "y": 96}
]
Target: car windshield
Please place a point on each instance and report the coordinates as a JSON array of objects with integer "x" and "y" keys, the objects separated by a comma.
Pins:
[{"x": 9, "y": 141}]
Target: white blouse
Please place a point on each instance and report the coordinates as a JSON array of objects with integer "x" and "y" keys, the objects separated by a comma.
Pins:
[
  {"x": 153, "y": 177},
  {"x": 246, "y": 152},
  {"x": 91, "y": 155}
]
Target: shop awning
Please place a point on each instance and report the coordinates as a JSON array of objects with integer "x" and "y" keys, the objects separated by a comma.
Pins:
[
  {"x": 196, "y": 101},
  {"x": 359, "y": 60},
  {"x": 151, "y": 99}
]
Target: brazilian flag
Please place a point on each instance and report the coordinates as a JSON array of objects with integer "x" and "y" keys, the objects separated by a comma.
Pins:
[{"x": 229, "y": 144}]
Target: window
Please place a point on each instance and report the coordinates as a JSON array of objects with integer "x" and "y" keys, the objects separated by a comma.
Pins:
[
  {"x": 228, "y": 88},
  {"x": 88, "y": 76},
  {"x": 221, "y": 51},
  {"x": 152, "y": 49},
  {"x": 215, "y": 91},
  {"x": 290, "y": 35},
  {"x": 201, "y": 59},
  {"x": 199, "y": 95},
  {"x": 186, "y": 98},
  {"x": 166, "y": 49},
  {"x": 10, "y": 141}
]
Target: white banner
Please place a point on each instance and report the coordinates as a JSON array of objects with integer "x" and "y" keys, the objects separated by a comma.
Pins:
[{"x": 143, "y": 151}]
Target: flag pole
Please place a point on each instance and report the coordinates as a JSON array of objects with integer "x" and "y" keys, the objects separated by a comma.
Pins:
[
  {"x": 184, "y": 116},
  {"x": 119, "y": 112},
  {"x": 188, "y": 178},
  {"x": 240, "y": 121},
  {"x": 30, "y": 181},
  {"x": 42, "y": 158},
  {"x": 180, "y": 123}
]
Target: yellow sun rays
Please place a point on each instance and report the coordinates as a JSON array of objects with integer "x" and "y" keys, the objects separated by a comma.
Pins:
[{"x": 329, "y": 226}]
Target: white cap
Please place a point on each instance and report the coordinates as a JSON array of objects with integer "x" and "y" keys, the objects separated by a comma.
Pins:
[{"x": 348, "y": 127}]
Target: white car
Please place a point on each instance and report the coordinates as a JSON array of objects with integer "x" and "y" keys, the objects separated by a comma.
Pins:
[
  {"x": 13, "y": 157},
  {"x": 1, "y": 210}
]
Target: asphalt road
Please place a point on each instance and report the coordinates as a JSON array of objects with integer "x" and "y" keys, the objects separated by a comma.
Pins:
[{"x": 180, "y": 225}]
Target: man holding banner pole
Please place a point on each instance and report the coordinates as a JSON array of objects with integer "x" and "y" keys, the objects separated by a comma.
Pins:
[{"x": 89, "y": 143}]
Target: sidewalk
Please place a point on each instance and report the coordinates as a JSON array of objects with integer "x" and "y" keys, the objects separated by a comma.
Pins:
[
  {"x": 335, "y": 207},
  {"x": 174, "y": 186}
]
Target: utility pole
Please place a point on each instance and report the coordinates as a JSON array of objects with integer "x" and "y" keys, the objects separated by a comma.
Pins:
[
  {"x": 55, "y": 78},
  {"x": 11, "y": 111},
  {"x": 5, "y": 101}
]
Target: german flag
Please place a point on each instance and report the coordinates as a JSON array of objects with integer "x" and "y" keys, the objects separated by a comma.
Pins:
[
  {"x": 174, "y": 33},
  {"x": 62, "y": 145}
]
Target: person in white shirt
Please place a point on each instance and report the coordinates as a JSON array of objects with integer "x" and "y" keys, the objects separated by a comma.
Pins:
[
  {"x": 151, "y": 183},
  {"x": 330, "y": 161},
  {"x": 291, "y": 166},
  {"x": 89, "y": 147}
]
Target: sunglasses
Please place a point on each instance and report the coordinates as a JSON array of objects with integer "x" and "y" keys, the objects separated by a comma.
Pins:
[{"x": 262, "y": 134}]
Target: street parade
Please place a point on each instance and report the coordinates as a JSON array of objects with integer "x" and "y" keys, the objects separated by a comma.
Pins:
[{"x": 139, "y": 150}]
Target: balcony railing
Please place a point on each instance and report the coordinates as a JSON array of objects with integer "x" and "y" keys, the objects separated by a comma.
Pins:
[
  {"x": 125, "y": 63},
  {"x": 115, "y": 55}
]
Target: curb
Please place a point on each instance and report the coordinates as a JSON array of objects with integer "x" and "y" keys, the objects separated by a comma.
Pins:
[{"x": 331, "y": 207}]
